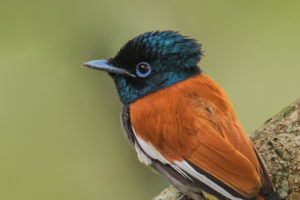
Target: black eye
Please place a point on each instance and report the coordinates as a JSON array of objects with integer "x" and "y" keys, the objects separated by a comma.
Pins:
[{"x": 143, "y": 69}]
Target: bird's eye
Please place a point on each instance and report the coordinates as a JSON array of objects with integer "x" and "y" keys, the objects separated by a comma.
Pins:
[{"x": 143, "y": 69}]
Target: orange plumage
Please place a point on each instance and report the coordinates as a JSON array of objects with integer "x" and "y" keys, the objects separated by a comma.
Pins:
[
  {"x": 181, "y": 123},
  {"x": 193, "y": 120}
]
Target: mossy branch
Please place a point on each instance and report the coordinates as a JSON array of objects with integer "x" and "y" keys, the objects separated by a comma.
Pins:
[{"x": 278, "y": 142}]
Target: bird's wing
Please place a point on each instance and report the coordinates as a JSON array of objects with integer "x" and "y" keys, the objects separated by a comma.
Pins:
[
  {"x": 214, "y": 163},
  {"x": 221, "y": 163},
  {"x": 198, "y": 135}
]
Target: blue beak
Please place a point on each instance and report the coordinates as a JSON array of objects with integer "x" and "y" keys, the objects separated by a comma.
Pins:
[{"x": 102, "y": 65}]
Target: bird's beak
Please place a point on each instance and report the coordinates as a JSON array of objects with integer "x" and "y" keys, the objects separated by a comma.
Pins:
[{"x": 103, "y": 65}]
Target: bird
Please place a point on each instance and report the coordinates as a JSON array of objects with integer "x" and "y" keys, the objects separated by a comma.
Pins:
[{"x": 181, "y": 123}]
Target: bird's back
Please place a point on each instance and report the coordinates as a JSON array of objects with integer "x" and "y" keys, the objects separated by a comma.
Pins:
[{"x": 192, "y": 125}]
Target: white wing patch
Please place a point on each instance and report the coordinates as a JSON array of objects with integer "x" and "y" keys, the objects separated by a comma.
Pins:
[
  {"x": 150, "y": 150},
  {"x": 154, "y": 154},
  {"x": 202, "y": 178},
  {"x": 182, "y": 167},
  {"x": 141, "y": 156}
]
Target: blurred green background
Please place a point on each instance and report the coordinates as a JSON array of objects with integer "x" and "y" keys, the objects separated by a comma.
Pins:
[{"x": 60, "y": 135}]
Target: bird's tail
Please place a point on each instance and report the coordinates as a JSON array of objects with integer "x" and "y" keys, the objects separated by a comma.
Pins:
[
  {"x": 272, "y": 196},
  {"x": 267, "y": 191}
]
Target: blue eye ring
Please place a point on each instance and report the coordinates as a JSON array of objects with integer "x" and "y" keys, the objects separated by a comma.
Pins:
[{"x": 143, "y": 69}]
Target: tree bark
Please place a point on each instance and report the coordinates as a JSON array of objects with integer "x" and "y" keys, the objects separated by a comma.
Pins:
[{"x": 278, "y": 142}]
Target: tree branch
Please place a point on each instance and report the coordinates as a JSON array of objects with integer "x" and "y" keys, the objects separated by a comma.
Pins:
[{"x": 278, "y": 142}]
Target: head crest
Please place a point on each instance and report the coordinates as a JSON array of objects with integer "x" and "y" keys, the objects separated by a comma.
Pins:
[{"x": 166, "y": 46}]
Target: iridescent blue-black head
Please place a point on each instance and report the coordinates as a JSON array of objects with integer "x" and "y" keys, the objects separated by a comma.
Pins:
[{"x": 150, "y": 62}]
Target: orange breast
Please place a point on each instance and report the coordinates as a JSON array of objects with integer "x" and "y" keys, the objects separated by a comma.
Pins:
[{"x": 194, "y": 120}]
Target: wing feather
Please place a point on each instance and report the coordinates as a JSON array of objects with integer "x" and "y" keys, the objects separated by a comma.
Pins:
[{"x": 198, "y": 134}]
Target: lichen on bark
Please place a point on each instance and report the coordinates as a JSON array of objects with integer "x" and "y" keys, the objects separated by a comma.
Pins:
[{"x": 278, "y": 142}]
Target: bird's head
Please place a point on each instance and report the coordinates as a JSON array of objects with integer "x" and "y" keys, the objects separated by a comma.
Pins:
[{"x": 150, "y": 62}]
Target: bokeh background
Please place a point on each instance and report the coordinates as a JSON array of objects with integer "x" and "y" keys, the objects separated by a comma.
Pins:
[{"x": 60, "y": 135}]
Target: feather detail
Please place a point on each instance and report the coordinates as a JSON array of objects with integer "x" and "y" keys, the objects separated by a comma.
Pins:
[{"x": 193, "y": 121}]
